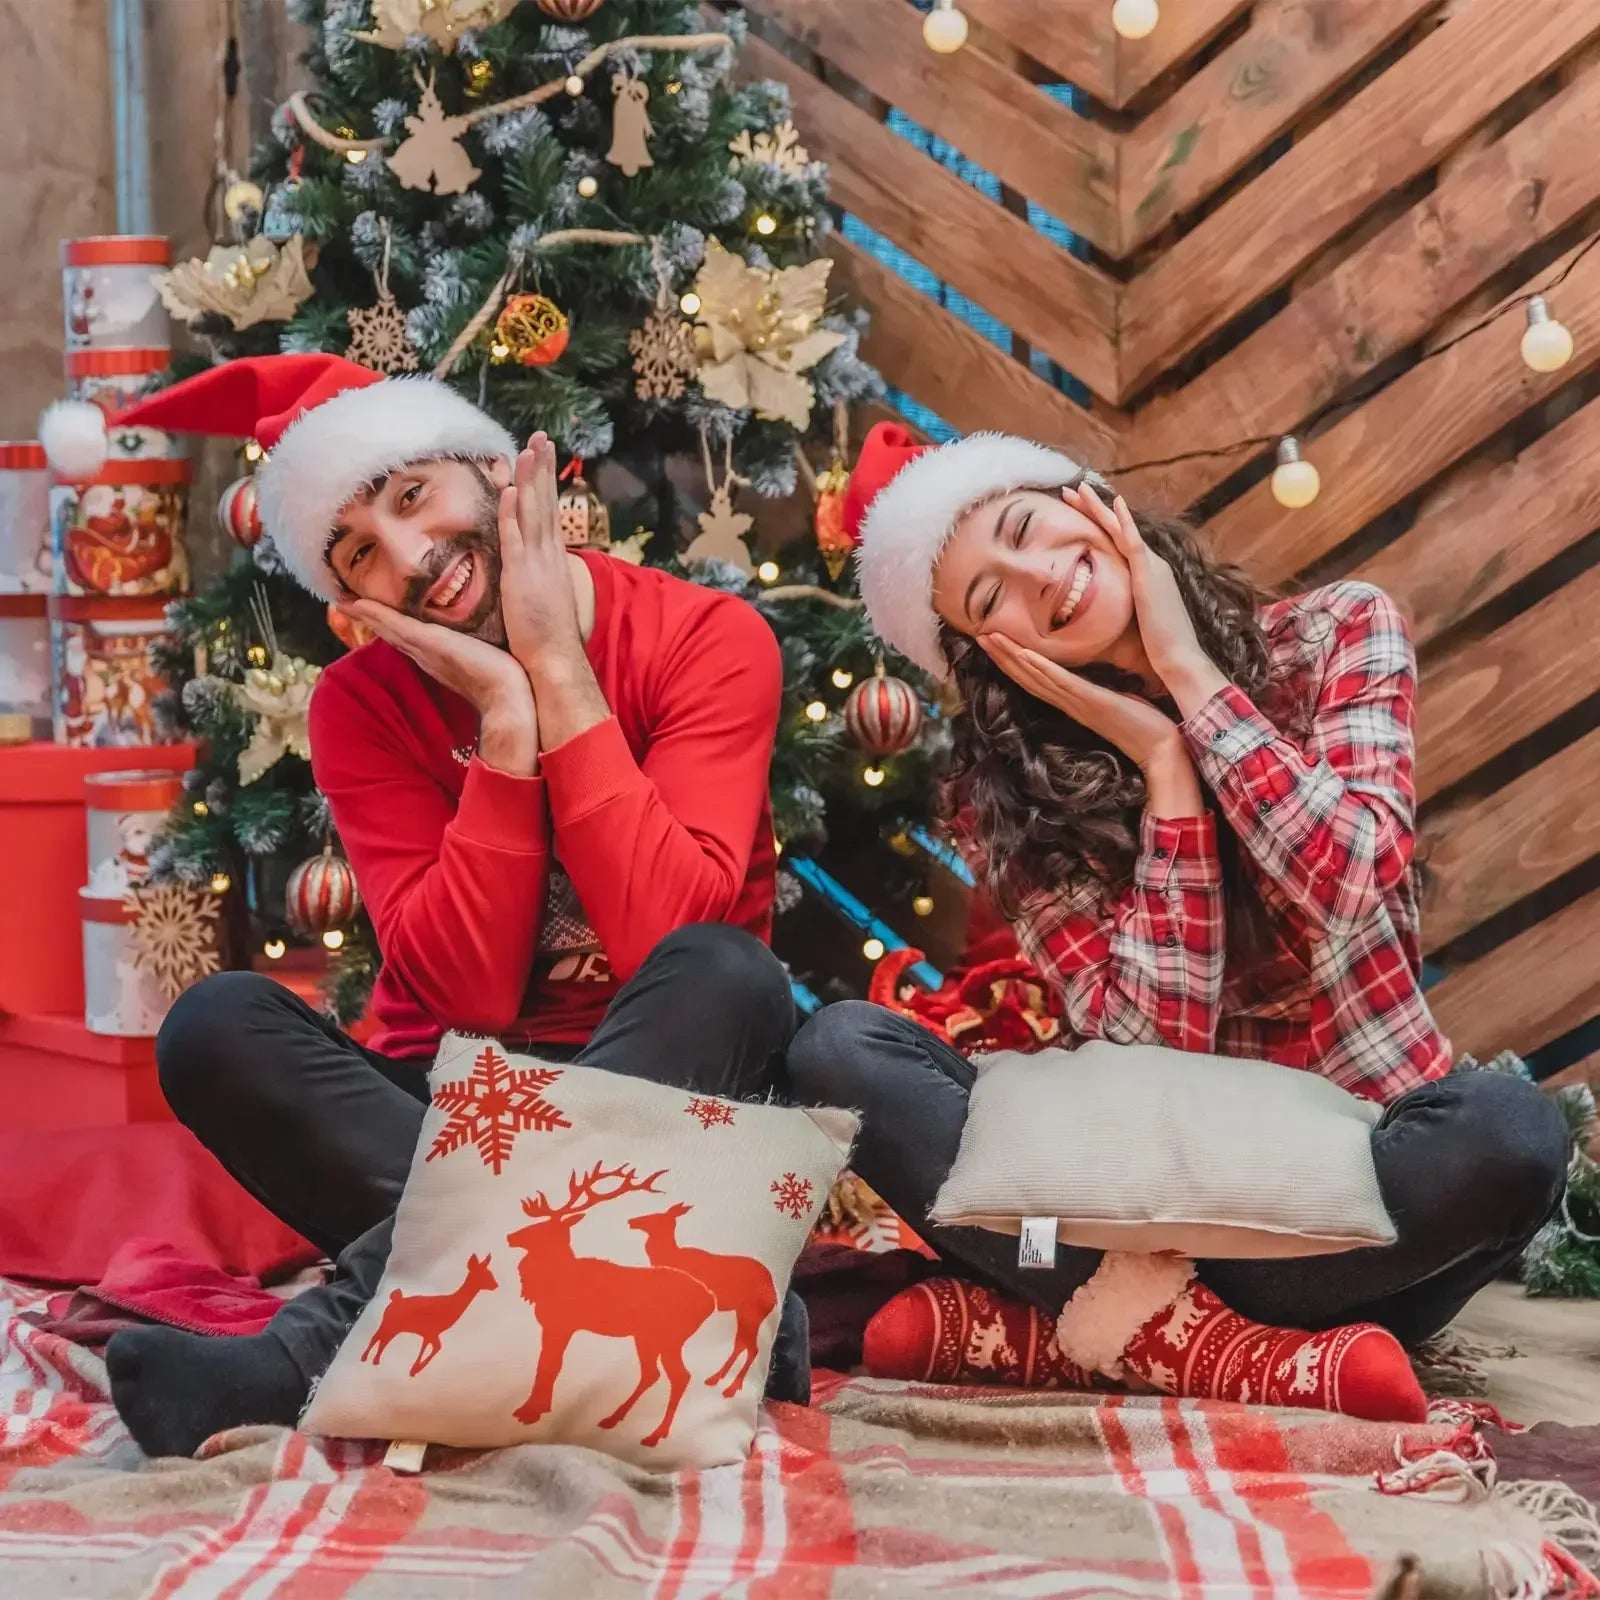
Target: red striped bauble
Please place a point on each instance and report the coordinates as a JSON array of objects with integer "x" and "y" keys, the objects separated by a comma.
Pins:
[
  {"x": 884, "y": 715},
  {"x": 569, "y": 10},
  {"x": 321, "y": 895},
  {"x": 239, "y": 513}
]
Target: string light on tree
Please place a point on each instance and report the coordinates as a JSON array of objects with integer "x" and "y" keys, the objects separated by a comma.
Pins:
[
  {"x": 923, "y": 905},
  {"x": 1295, "y": 482},
  {"x": 817, "y": 711},
  {"x": 766, "y": 224},
  {"x": 768, "y": 572},
  {"x": 574, "y": 86},
  {"x": 843, "y": 678},
  {"x": 944, "y": 29},
  {"x": 333, "y": 939},
  {"x": 201, "y": 809},
  {"x": 873, "y": 949},
  {"x": 221, "y": 883},
  {"x": 274, "y": 949},
  {"x": 872, "y": 777},
  {"x": 1547, "y": 344},
  {"x": 253, "y": 451},
  {"x": 588, "y": 186},
  {"x": 1135, "y": 19},
  {"x": 689, "y": 305}
]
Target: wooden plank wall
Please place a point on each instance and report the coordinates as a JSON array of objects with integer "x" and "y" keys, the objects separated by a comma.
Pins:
[{"x": 1284, "y": 203}]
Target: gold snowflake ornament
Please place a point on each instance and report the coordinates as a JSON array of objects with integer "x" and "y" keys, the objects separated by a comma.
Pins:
[
  {"x": 781, "y": 149},
  {"x": 378, "y": 337},
  {"x": 663, "y": 355},
  {"x": 758, "y": 332},
  {"x": 173, "y": 933}
]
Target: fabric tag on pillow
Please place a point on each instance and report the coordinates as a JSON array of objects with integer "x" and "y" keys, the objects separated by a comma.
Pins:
[
  {"x": 1037, "y": 1245},
  {"x": 405, "y": 1455}
]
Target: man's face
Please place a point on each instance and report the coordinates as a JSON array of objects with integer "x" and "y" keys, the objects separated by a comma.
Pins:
[{"x": 425, "y": 541}]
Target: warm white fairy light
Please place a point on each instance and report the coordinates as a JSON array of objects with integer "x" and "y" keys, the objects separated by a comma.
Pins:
[
  {"x": 923, "y": 905},
  {"x": 274, "y": 949},
  {"x": 1547, "y": 344},
  {"x": 1135, "y": 19},
  {"x": 333, "y": 939},
  {"x": 588, "y": 186},
  {"x": 817, "y": 711},
  {"x": 872, "y": 777},
  {"x": 843, "y": 678},
  {"x": 1295, "y": 482},
  {"x": 252, "y": 450},
  {"x": 944, "y": 29},
  {"x": 766, "y": 224},
  {"x": 873, "y": 949},
  {"x": 768, "y": 572},
  {"x": 689, "y": 305},
  {"x": 574, "y": 86},
  {"x": 221, "y": 883}
]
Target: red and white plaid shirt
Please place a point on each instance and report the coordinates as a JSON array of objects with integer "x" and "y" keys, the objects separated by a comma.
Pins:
[{"x": 1326, "y": 829}]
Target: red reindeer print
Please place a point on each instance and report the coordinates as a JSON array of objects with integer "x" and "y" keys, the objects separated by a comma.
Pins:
[
  {"x": 740, "y": 1283},
  {"x": 659, "y": 1308},
  {"x": 794, "y": 1195},
  {"x": 428, "y": 1316}
]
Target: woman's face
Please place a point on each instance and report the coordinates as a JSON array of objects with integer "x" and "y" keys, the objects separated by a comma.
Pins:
[{"x": 1036, "y": 569}]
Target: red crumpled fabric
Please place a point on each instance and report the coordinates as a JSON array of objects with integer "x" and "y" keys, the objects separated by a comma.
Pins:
[{"x": 148, "y": 1280}]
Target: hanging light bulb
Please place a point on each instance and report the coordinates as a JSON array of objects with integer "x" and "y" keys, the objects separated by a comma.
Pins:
[
  {"x": 274, "y": 949},
  {"x": 923, "y": 905},
  {"x": 767, "y": 572},
  {"x": 872, "y": 777},
  {"x": 873, "y": 949},
  {"x": 221, "y": 883},
  {"x": 842, "y": 679},
  {"x": 1547, "y": 344},
  {"x": 1295, "y": 482},
  {"x": 944, "y": 29},
  {"x": 817, "y": 711},
  {"x": 333, "y": 939},
  {"x": 588, "y": 186},
  {"x": 689, "y": 305},
  {"x": 1135, "y": 19}
]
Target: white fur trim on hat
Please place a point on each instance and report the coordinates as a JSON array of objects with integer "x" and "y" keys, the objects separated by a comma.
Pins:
[
  {"x": 339, "y": 447},
  {"x": 1098, "y": 1323},
  {"x": 908, "y": 525}
]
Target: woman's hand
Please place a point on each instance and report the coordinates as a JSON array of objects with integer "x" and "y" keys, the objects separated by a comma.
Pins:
[
  {"x": 1165, "y": 628},
  {"x": 536, "y": 594}
]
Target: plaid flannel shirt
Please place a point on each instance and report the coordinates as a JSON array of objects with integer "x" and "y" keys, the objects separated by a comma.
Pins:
[{"x": 1326, "y": 830}]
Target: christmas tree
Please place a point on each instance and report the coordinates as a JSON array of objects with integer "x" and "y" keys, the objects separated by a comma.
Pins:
[{"x": 571, "y": 210}]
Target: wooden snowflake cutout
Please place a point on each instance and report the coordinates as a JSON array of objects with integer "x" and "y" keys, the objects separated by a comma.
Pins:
[
  {"x": 173, "y": 933},
  {"x": 663, "y": 355},
  {"x": 781, "y": 149},
  {"x": 378, "y": 337},
  {"x": 492, "y": 1106},
  {"x": 711, "y": 1113},
  {"x": 794, "y": 1195}
]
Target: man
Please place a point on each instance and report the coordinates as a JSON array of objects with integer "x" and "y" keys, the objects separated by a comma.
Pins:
[{"x": 549, "y": 772}]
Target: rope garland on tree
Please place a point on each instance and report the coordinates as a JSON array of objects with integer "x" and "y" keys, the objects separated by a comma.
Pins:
[
  {"x": 300, "y": 108},
  {"x": 485, "y": 313}
]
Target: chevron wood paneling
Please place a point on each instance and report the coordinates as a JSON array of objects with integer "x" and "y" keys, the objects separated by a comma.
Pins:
[{"x": 1287, "y": 202}]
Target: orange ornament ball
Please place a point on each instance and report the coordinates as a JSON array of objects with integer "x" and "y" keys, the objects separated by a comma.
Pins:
[{"x": 531, "y": 330}]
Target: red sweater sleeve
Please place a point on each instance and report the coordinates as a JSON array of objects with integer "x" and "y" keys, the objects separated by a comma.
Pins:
[
  {"x": 657, "y": 844},
  {"x": 455, "y": 889}
]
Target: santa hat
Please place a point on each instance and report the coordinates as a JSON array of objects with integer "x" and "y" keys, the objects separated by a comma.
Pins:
[
  {"x": 330, "y": 426},
  {"x": 902, "y": 505}
]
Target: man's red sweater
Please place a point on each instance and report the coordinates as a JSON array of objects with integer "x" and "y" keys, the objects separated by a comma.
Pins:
[{"x": 515, "y": 906}]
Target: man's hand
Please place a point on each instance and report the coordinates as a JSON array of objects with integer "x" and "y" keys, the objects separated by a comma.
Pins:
[
  {"x": 536, "y": 597},
  {"x": 488, "y": 677}
]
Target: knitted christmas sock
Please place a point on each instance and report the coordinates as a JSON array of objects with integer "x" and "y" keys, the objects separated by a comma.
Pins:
[
  {"x": 945, "y": 1331},
  {"x": 1195, "y": 1347}
]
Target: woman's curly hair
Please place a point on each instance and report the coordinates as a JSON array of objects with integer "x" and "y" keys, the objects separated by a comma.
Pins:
[{"x": 1050, "y": 805}]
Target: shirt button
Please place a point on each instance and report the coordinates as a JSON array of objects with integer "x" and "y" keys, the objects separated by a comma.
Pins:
[
  {"x": 1160, "y": 852},
  {"x": 1219, "y": 736},
  {"x": 1263, "y": 807},
  {"x": 1170, "y": 940}
]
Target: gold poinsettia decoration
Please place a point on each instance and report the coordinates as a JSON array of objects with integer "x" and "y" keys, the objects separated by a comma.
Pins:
[
  {"x": 257, "y": 282},
  {"x": 279, "y": 698},
  {"x": 442, "y": 21},
  {"x": 757, "y": 332}
]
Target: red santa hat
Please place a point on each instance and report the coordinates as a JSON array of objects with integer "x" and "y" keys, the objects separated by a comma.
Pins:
[
  {"x": 902, "y": 505},
  {"x": 330, "y": 428}
]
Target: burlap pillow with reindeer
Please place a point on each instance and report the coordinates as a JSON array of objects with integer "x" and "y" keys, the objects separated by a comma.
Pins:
[{"x": 583, "y": 1258}]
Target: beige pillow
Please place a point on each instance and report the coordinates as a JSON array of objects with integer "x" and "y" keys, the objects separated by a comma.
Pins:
[
  {"x": 1134, "y": 1147},
  {"x": 585, "y": 1258}
]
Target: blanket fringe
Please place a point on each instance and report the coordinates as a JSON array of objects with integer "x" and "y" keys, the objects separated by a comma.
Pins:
[{"x": 1463, "y": 1470}]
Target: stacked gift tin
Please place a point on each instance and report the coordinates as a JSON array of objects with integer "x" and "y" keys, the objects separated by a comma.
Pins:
[{"x": 118, "y": 538}]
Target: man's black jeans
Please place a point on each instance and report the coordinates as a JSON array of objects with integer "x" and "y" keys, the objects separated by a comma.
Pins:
[{"x": 322, "y": 1130}]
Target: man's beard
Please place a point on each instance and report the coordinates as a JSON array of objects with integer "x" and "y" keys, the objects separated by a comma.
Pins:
[{"x": 482, "y": 542}]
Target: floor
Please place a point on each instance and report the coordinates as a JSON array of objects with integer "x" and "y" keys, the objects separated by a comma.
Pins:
[{"x": 1556, "y": 1375}]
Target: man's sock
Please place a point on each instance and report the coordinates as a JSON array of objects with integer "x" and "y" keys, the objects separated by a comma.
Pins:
[
  {"x": 1150, "y": 1317},
  {"x": 945, "y": 1331},
  {"x": 789, "y": 1377},
  {"x": 174, "y": 1390}
]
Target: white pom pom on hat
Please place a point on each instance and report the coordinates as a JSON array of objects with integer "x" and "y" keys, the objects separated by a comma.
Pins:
[
  {"x": 902, "y": 505},
  {"x": 75, "y": 439}
]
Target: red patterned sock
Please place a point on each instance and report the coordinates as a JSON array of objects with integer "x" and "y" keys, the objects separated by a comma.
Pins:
[
  {"x": 1199, "y": 1349},
  {"x": 945, "y": 1331}
]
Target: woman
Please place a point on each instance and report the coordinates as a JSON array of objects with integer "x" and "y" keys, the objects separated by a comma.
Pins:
[{"x": 1196, "y": 806}]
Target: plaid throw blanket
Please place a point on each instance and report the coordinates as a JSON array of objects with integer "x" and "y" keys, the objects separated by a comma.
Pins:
[{"x": 879, "y": 1489}]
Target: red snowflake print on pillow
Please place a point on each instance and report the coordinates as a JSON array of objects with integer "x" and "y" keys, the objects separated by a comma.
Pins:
[
  {"x": 493, "y": 1106},
  {"x": 794, "y": 1195},
  {"x": 712, "y": 1113}
]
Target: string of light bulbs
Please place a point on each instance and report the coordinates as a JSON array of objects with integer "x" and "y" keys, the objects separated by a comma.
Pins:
[{"x": 944, "y": 29}]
